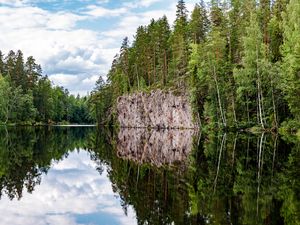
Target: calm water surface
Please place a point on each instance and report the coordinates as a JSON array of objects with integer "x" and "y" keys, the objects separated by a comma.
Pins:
[{"x": 81, "y": 175}]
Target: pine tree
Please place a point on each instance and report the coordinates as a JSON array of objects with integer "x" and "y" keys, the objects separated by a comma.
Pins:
[
  {"x": 199, "y": 24},
  {"x": 19, "y": 77},
  {"x": 265, "y": 14},
  {"x": 33, "y": 72},
  {"x": 124, "y": 59},
  {"x": 216, "y": 14},
  {"x": 10, "y": 64},
  {"x": 179, "y": 41},
  {"x": 163, "y": 33}
]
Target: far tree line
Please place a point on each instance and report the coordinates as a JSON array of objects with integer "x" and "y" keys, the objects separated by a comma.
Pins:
[
  {"x": 28, "y": 97},
  {"x": 239, "y": 60}
]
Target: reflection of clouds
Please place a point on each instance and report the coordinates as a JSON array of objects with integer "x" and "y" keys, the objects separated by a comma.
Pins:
[{"x": 71, "y": 189}]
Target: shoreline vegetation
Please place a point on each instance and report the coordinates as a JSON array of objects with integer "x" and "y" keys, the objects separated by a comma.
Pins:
[{"x": 239, "y": 62}]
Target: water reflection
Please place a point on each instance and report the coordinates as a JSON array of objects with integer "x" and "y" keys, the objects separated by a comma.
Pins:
[
  {"x": 89, "y": 176},
  {"x": 156, "y": 147},
  {"x": 69, "y": 189}
]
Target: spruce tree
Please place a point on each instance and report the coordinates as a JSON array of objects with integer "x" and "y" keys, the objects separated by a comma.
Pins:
[
  {"x": 10, "y": 64},
  {"x": 19, "y": 77},
  {"x": 33, "y": 72},
  {"x": 199, "y": 24},
  {"x": 179, "y": 41}
]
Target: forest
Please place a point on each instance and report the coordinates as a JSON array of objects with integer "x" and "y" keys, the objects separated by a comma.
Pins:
[
  {"x": 238, "y": 60},
  {"x": 28, "y": 97}
]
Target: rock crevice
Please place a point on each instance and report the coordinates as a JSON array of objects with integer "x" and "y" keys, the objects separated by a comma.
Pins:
[{"x": 158, "y": 109}]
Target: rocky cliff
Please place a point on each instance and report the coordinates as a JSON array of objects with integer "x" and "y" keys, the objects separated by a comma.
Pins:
[{"x": 158, "y": 109}]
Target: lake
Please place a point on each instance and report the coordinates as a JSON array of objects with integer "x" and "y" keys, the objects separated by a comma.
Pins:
[{"x": 85, "y": 175}]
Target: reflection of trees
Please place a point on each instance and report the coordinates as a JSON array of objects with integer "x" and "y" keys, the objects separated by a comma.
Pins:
[
  {"x": 231, "y": 179},
  {"x": 158, "y": 195},
  {"x": 241, "y": 179},
  {"x": 26, "y": 153},
  {"x": 289, "y": 189}
]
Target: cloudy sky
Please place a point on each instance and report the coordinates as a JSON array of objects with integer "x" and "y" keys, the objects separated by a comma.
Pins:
[{"x": 76, "y": 40}]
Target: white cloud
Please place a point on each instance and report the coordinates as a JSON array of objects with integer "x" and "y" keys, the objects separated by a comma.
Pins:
[
  {"x": 52, "y": 39},
  {"x": 141, "y": 3},
  {"x": 64, "y": 79},
  {"x": 61, "y": 44},
  {"x": 129, "y": 23},
  {"x": 12, "y": 2},
  {"x": 90, "y": 80},
  {"x": 98, "y": 11}
]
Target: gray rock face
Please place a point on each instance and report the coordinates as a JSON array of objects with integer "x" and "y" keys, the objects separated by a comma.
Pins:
[
  {"x": 158, "y": 109},
  {"x": 155, "y": 147}
]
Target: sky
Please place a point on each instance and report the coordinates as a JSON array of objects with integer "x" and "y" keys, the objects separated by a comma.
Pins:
[{"x": 75, "y": 40}]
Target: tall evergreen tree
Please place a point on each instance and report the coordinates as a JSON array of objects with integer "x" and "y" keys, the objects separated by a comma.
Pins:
[
  {"x": 276, "y": 30},
  {"x": 199, "y": 24},
  {"x": 124, "y": 59},
  {"x": 10, "y": 63},
  {"x": 33, "y": 72},
  {"x": 265, "y": 16},
  {"x": 18, "y": 76},
  {"x": 179, "y": 41},
  {"x": 164, "y": 33}
]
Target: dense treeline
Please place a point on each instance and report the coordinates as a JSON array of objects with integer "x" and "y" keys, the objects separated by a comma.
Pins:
[
  {"x": 238, "y": 59},
  {"x": 28, "y": 97}
]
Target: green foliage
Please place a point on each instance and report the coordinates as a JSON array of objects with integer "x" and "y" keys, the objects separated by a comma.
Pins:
[
  {"x": 27, "y": 97},
  {"x": 290, "y": 79},
  {"x": 240, "y": 64}
]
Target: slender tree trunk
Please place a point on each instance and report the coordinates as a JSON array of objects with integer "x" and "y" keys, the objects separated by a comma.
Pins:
[
  {"x": 234, "y": 147},
  {"x": 247, "y": 105},
  {"x": 165, "y": 68},
  {"x": 219, "y": 161},
  {"x": 259, "y": 93},
  {"x": 219, "y": 98},
  {"x": 233, "y": 108},
  {"x": 274, "y": 154},
  {"x": 7, "y": 115},
  {"x": 274, "y": 106},
  {"x": 259, "y": 170},
  {"x": 137, "y": 77},
  {"x": 149, "y": 83},
  {"x": 154, "y": 65}
]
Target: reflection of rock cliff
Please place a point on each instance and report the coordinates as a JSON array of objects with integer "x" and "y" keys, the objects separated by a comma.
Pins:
[
  {"x": 157, "y": 147},
  {"x": 157, "y": 109}
]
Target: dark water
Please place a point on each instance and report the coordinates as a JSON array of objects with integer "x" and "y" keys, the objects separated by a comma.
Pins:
[{"x": 81, "y": 175}]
